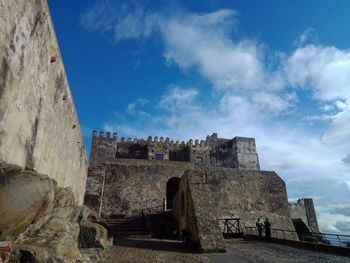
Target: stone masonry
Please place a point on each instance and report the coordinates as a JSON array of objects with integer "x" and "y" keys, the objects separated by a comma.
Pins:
[
  {"x": 132, "y": 177},
  {"x": 238, "y": 152},
  {"x": 39, "y": 127}
]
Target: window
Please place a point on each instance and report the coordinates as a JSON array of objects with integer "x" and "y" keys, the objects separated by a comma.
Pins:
[
  {"x": 199, "y": 160},
  {"x": 159, "y": 157}
]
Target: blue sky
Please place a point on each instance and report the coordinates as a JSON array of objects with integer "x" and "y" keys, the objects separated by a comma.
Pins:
[{"x": 278, "y": 71}]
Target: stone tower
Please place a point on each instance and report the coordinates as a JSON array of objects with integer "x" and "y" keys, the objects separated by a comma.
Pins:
[{"x": 102, "y": 148}]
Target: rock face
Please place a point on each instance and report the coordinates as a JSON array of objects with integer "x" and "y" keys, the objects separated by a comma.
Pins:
[
  {"x": 44, "y": 222},
  {"x": 39, "y": 128}
]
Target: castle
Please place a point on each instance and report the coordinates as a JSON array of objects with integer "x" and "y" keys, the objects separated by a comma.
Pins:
[
  {"x": 198, "y": 181},
  {"x": 239, "y": 152}
]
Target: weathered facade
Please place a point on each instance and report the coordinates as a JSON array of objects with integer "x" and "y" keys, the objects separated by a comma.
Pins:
[
  {"x": 239, "y": 152},
  {"x": 43, "y": 164},
  {"x": 39, "y": 127},
  {"x": 304, "y": 210},
  {"x": 201, "y": 182}
]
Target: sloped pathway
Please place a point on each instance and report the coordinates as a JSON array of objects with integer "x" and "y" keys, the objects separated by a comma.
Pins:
[{"x": 166, "y": 251}]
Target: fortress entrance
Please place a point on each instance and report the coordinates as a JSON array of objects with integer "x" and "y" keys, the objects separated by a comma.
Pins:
[{"x": 172, "y": 186}]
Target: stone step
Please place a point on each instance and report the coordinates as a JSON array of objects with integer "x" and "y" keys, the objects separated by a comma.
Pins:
[{"x": 127, "y": 227}]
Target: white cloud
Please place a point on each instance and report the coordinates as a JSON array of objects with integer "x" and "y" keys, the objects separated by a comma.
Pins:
[
  {"x": 176, "y": 98},
  {"x": 207, "y": 47},
  {"x": 271, "y": 102},
  {"x": 308, "y": 36},
  {"x": 250, "y": 98},
  {"x": 137, "y": 107},
  {"x": 325, "y": 70}
]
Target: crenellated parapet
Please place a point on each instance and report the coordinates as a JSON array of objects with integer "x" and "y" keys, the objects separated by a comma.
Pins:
[
  {"x": 239, "y": 152},
  {"x": 103, "y": 147}
]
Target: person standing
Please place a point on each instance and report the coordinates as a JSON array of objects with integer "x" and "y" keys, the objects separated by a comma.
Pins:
[
  {"x": 267, "y": 226},
  {"x": 259, "y": 225}
]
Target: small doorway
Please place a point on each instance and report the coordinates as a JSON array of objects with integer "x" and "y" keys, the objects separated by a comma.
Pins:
[{"x": 172, "y": 186}]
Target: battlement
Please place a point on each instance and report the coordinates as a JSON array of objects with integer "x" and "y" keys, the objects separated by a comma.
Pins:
[
  {"x": 239, "y": 152},
  {"x": 102, "y": 135}
]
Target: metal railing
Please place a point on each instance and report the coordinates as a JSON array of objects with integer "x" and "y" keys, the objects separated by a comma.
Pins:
[
  {"x": 231, "y": 227},
  {"x": 339, "y": 240}
]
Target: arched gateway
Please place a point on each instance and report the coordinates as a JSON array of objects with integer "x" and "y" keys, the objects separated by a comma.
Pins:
[{"x": 172, "y": 186}]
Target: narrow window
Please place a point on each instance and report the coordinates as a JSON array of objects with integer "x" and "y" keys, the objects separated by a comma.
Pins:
[
  {"x": 159, "y": 157},
  {"x": 199, "y": 160}
]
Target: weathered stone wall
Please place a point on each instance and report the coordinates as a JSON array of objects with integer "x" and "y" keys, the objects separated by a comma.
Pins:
[
  {"x": 245, "y": 194},
  {"x": 311, "y": 214},
  {"x": 132, "y": 150},
  {"x": 238, "y": 153},
  {"x": 39, "y": 127},
  {"x": 304, "y": 209},
  {"x": 131, "y": 186},
  {"x": 94, "y": 187},
  {"x": 103, "y": 148},
  {"x": 297, "y": 210},
  {"x": 194, "y": 209},
  {"x": 245, "y": 156},
  {"x": 250, "y": 194}
]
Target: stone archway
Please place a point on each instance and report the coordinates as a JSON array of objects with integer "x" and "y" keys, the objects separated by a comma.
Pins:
[{"x": 172, "y": 186}]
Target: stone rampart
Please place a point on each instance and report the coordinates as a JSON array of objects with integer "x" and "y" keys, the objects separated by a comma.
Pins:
[
  {"x": 39, "y": 128},
  {"x": 304, "y": 209},
  {"x": 244, "y": 194},
  {"x": 129, "y": 186},
  {"x": 239, "y": 152},
  {"x": 194, "y": 209}
]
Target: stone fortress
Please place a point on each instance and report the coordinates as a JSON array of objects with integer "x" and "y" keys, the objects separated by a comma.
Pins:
[
  {"x": 238, "y": 152},
  {"x": 199, "y": 181},
  {"x": 45, "y": 177}
]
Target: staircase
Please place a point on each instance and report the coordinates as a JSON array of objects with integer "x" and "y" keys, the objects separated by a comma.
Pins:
[
  {"x": 134, "y": 227},
  {"x": 162, "y": 225}
]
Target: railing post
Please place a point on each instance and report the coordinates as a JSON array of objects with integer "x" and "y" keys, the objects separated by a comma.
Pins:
[{"x": 339, "y": 240}]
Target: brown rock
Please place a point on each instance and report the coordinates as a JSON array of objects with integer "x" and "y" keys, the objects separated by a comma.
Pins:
[
  {"x": 24, "y": 197},
  {"x": 93, "y": 235}
]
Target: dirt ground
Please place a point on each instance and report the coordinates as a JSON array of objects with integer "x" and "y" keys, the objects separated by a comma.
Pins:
[{"x": 239, "y": 251}]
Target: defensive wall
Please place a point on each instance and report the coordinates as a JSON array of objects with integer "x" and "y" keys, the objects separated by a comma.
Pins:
[
  {"x": 39, "y": 127},
  {"x": 239, "y": 152},
  {"x": 131, "y": 186},
  {"x": 304, "y": 209},
  {"x": 244, "y": 194},
  {"x": 128, "y": 186},
  {"x": 201, "y": 181}
]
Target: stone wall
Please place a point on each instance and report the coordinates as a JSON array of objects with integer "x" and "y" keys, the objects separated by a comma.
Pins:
[
  {"x": 245, "y": 194},
  {"x": 245, "y": 156},
  {"x": 249, "y": 194},
  {"x": 239, "y": 152},
  {"x": 103, "y": 148},
  {"x": 129, "y": 186},
  {"x": 304, "y": 209},
  {"x": 39, "y": 128},
  {"x": 194, "y": 209}
]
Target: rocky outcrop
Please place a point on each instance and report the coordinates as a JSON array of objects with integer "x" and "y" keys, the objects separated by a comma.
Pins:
[{"x": 43, "y": 222}]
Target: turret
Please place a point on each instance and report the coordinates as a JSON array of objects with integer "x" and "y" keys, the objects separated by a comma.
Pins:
[{"x": 103, "y": 148}]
